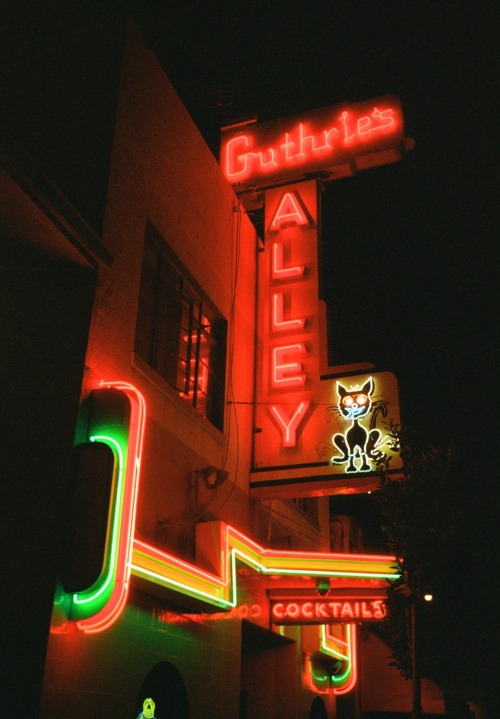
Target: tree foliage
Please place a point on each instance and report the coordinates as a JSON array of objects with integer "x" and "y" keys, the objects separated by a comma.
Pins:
[{"x": 440, "y": 522}]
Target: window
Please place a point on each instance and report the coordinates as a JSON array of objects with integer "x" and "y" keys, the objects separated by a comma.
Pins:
[
  {"x": 179, "y": 333},
  {"x": 309, "y": 507}
]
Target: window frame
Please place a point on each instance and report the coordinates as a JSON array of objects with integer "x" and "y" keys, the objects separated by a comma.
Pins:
[{"x": 179, "y": 332}]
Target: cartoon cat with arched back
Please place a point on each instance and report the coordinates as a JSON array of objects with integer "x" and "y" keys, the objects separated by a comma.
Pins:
[{"x": 356, "y": 444}]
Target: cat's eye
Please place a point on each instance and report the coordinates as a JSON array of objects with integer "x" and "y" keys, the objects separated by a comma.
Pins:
[
  {"x": 361, "y": 399},
  {"x": 347, "y": 401}
]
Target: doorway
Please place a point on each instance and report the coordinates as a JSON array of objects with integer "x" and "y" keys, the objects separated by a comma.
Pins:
[
  {"x": 268, "y": 685},
  {"x": 163, "y": 694},
  {"x": 318, "y": 709}
]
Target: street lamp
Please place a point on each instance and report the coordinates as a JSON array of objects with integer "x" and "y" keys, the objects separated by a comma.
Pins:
[{"x": 416, "y": 712}]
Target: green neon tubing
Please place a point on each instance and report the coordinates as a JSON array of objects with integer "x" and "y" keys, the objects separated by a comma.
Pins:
[
  {"x": 337, "y": 679},
  {"x": 91, "y": 600}
]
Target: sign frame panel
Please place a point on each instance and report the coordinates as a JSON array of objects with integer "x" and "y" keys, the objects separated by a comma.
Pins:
[{"x": 316, "y": 465}]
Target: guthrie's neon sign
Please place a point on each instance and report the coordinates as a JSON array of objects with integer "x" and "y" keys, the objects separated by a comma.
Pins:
[{"x": 336, "y": 140}]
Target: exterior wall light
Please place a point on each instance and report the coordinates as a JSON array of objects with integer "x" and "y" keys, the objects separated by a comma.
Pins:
[
  {"x": 212, "y": 476},
  {"x": 323, "y": 586}
]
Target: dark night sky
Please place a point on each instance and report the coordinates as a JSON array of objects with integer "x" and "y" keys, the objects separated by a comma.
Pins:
[
  {"x": 409, "y": 258},
  {"x": 408, "y": 249}
]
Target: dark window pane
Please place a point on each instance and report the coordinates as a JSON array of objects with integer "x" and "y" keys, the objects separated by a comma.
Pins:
[{"x": 178, "y": 334}]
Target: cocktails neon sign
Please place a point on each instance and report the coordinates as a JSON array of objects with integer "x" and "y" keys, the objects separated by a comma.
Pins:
[
  {"x": 97, "y": 608},
  {"x": 325, "y": 611},
  {"x": 337, "y": 140}
]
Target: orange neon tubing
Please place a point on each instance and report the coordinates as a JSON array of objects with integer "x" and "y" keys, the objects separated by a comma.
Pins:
[{"x": 218, "y": 588}]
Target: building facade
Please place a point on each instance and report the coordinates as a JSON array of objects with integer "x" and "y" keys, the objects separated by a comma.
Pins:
[{"x": 153, "y": 582}]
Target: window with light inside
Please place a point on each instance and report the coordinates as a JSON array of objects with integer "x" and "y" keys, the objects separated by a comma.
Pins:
[{"x": 179, "y": 333}]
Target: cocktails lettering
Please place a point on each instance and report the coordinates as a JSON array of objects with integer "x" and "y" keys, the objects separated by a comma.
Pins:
[{"x": 323, "y": 612}]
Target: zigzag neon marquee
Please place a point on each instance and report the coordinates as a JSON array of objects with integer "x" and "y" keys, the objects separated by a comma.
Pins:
[{"x": 99, "y": 606}]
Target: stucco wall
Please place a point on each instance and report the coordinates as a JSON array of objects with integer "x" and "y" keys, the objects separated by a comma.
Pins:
[
  {"x": 163, "y": 170},
  {"x": 384, "y": 689}
]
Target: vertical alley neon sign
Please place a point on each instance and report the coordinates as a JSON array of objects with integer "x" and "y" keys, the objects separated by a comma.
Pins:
[
  {"x": 288, "y": 159},
  {"x": 289, "y": 325}
]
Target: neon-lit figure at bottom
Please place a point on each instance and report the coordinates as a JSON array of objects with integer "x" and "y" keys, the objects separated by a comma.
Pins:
[
  {"x": 148, "y": 710},
  {"x": 357, "y": 444}
]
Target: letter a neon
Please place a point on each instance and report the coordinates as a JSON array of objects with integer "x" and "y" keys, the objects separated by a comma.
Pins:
[
  {"x": 289, "y": 425},
  {"x": 289, "y": 211}
]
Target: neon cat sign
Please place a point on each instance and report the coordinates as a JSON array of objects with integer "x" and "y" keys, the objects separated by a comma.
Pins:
[
  {"x": 301, "y": 441},
  {"x": 305, "y": 435},
  {"x": 337, "y": 141},
  {"x": 323, "y": 426},
  {"x": 358, "y": 447}
]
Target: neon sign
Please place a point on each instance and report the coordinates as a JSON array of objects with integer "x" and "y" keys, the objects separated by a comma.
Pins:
[
  {"x": 360, "y": 448},
  {"x": 299, "y": 431},
  {"x": 325, "y": 611},
  {"x": 289, "y": 291},
  {"x": 293, "y": 384},
  {"x": 290, "y": 211},
  {"x": 330, "y": 439},
  {"x": 148, "y": 709},
  {"x": 337, "y": 141},
  {"x": 279, "y": 324},
  {"x": 287, "y": 424},
  {"x": 218, "y": 546},
  {"x": 97, "y": 608}
]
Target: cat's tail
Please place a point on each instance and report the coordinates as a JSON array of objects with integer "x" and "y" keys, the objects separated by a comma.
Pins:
[
  {"x": 373, "y": 452},
  {"x": 340, "y": 443}
]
